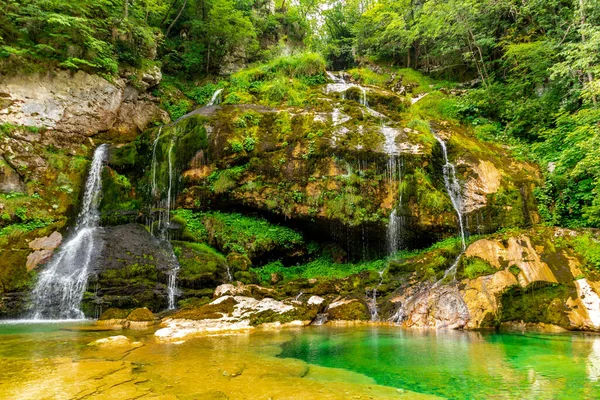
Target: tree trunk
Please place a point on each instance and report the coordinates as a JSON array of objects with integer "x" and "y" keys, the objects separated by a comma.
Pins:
[
  {"x": 176, "y": 18},
  {"x": 126, "y": 9},
  {"x": 168, "y": 12},
  {"x": 208, "y": 59}
]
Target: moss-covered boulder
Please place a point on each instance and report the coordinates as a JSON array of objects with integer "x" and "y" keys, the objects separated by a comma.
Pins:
[
  {"x": 141, "y": 315},
  {"x": 348, "y": 310},
  {"x": 201, "y": 267},
  {"x": 113, "y": 313}
]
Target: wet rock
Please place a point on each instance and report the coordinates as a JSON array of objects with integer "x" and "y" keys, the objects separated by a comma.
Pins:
[
  {"x": 232, "y": 313},
  {"x": 47, "y": 242},
  {"x": 141, "y": 315},
  {"x": 38, "y": 257},
  {"x": 440, "y": 307},
  {"x": 482, "y": 296},
  {"x": 239, "y": 289},
  {"x": 140, "y": 318},
  {"x": 43, "y": 249},
  {"x": 539, "y": 281},
  {"x": 113, "y": 317},
  {"x": 132, "y": 271},
  {"x": 315, "y": 301}
]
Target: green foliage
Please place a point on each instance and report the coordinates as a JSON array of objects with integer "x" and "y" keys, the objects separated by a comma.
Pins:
[
  {"x": 232, "y": 232},
  {"x": 24, "y": 227},
  {"x": 322, "y": 267},
  {"x": 193, "y": 228},
  {"x": 225, "y": 180},
  {"x": 76, "y": 35},
  {"x": 589, "y": 248}
]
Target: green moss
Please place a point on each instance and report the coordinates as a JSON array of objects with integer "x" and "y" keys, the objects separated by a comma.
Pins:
[
  {"x": 322, "y": 267},
  {"x": 200, "y": 265},
  {"x": 513, "y": 269},
  {"x": 589, "y": 247},
  {"x": 232, "y": 232},
  {"x": 473, "y": 267}
]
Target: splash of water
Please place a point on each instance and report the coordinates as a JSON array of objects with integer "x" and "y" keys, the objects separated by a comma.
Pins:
[
  {"x": 60, "y": 287},
  {"x": 216, "y": 98}
]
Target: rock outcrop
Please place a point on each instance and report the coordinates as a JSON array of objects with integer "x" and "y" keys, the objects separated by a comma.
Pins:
[
  {"x": 51, "y": 123},
  {"x": 76, "y": 104},
  {"x": 539, "y": 278},
  {"x": 43, "y": 249},
  {"x": 233, "y": 313}
]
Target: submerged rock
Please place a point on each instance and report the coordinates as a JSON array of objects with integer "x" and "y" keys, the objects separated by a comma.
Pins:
[{"x": 114, "y": 341}]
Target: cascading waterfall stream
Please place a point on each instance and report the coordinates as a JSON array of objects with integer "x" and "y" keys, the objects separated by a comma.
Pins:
[
  {"x": 160, "y": 227},
  {"x": 372, "y": 298},
  {"x": 393, "y": 173},
  {"x": 454, "y": 191},
  {"x": 60, "y": 287},
  {"x": 394, "y": 167},
  {"x": 216, "y": 98},
  {"x": 453, "y": 188}
]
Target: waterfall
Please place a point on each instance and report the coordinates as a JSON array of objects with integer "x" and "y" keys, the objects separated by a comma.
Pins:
[
  {"x": 372, "y": 298},
  {"x": 60, "y": 287},
  {"x": 454, "y": 191},
  {"x": 164, "y": 204},
  {"x": 394, "y": 166},
  {"x": 216, "y": 98},
  {"x": 453, "y": 188}
]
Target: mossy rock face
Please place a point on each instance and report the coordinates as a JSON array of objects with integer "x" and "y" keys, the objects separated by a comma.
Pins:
[
  {"x": 113, "y": 313},
  {"x": 141, "y": 315},
  {"x": 132, "y": 271},
  {"x": 245, "y": 277},
  {"x": 14, "y": 304},
  {"x": 545, "y": 303},
  {"x": 353, "y": 310}
]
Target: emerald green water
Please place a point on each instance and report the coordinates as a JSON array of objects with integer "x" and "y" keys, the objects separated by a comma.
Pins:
[
  {"x": 54, "y": 361},
  {"x": 459, "y": 365}
]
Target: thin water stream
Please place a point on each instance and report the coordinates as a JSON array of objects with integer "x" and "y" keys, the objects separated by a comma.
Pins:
[{"x": 394, "y": 166}]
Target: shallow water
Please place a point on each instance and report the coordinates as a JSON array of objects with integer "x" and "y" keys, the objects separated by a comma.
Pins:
[
  {"x": 460, "y": 365},
  {"x": 54, "y": 361}
]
